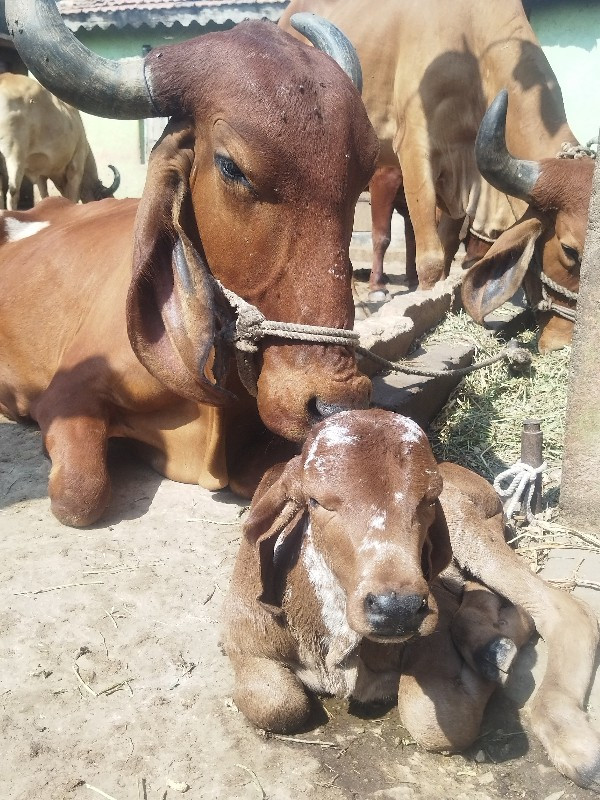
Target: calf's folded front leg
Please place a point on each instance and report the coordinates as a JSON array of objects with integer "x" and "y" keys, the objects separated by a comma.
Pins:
[
  {"x": 269, "y": 694},
  {"x": 568, "y": 627},
  {"x": 489, "y": 632},
  {"x": 441, "y": 700}
]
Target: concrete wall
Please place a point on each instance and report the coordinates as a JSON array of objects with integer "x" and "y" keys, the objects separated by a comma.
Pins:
[{"x": 569, "y": 32}]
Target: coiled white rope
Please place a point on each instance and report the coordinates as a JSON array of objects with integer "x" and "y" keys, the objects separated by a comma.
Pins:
[{"x": 521, "y": 476}]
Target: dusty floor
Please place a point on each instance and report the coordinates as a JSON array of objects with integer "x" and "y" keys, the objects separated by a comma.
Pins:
[
  {"x": 113, "y": 684},
  {"x": 111, "y": 674}
]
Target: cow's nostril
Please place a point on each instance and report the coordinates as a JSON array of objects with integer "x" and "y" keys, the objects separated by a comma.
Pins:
[
  {"x": 394, "y": 614},
  {"x": 319, "y": 409}
]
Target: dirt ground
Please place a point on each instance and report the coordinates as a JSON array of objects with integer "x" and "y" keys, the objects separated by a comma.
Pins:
[{"x": 113, "y": 683}]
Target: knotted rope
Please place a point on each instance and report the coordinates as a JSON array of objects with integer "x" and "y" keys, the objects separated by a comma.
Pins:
[
  {"x": 570, "y": 150},
  {"x": 548, "y": 304},
  {"x": 521, "y": 476},
  {"x": 250, "y": 326}
]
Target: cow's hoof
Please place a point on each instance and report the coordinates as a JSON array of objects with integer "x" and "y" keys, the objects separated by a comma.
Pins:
[
  {"x": 494, "y": 659},
  {"x": 379, "y": 296}
]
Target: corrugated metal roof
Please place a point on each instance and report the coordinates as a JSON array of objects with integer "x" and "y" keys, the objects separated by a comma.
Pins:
[{"x": 122, "y": 13}]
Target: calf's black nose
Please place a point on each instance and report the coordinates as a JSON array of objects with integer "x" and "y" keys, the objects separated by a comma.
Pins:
[{"x": 394, "y": 614}]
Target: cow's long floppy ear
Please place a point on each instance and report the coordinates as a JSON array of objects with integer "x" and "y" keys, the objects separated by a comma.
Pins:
[
  {"x": 437, "y": 550},
  {"x": 276, "y": 512},
  {"x": 171, "y": 307},
  {"x": 497, "y": 276}
]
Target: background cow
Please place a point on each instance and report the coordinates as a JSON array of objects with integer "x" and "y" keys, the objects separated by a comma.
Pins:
[
  {"x": 254, "y": 184},
  {"x": 43, "y": 138},
  {"x": 430, "y": 72}
]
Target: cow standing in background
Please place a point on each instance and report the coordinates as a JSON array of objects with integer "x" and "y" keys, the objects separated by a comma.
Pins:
[
  {"x": 429, "y": 75},
  {"x": 43, "y": 138}
]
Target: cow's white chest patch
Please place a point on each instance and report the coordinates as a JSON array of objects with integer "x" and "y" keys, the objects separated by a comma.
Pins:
[
  {"x": 334, "y": 670},
  {"x": 17, "y": 229}
]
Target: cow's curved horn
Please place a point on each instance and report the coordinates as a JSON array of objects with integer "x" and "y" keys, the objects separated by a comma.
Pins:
[
  {"x": 514, "y": 176},
  {"x": 100, "y": 86},
  {"x": 110, "y": 190},
  {"x": 325, "y": 36}
]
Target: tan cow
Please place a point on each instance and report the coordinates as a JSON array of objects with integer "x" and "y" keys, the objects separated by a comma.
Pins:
[
  {"x": 430, "y": 71},
  {"x": 339, "y": 588},
  {"x": 112, "y": 322},
  {"x": 43, "y": 138}
]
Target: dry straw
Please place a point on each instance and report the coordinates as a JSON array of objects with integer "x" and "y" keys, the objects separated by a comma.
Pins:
[{"x": 480, "y": 425}]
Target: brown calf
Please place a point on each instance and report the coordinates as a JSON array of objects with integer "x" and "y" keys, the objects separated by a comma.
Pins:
[{"x": 337, "y": 586}]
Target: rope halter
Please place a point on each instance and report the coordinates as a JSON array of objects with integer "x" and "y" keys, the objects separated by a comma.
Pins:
[
  {"x": 250, "y": 326},
  {"x": 548, "y": 304}
]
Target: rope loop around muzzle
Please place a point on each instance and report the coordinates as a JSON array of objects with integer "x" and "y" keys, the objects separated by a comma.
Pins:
[
  {"x": 548, "y": 304},
  {"x": 250, "y": 326}
]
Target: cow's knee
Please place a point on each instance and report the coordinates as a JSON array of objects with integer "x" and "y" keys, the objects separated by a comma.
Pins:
[
  {"x": 79, "y": 484},
  {"x": 270, "y": 696},
  {"x": 430, "y": 269},
  {"x": 443, "y": 712}
]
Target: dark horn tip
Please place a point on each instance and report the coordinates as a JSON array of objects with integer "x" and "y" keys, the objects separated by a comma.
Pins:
[
  {"x": 502, "y": 170},
  {"x": 326, "y": 36}
]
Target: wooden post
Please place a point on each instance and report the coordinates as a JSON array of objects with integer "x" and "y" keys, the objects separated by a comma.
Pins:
[
  {"x": 531, "y": 453},
  {"x": 580, "y": 485}
]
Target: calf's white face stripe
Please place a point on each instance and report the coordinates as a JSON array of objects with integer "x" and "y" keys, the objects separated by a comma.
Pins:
[
  {"x": 17, "y": 229},
  {"x": 330, "y": 594}
]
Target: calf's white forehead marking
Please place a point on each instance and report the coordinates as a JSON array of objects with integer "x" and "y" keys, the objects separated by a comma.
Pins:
[
  {"x": 335, "y": 434},
  {"x": 412, "y": 432},
  {"x": 17, "y": 229},
  {"x": 377, "y": 521},
  {"x": 378, "y": 550}
]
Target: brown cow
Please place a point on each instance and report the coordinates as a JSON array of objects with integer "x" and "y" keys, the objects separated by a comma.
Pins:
[
  {"x": 542, "y": 251},
  {"x": 387, "y": 194},
  {"x": 254, "y": 184},
  {"x": 43, "y": 138},
  {"x": 430, "y": 73},
  {"x": 335, "y": 591}
]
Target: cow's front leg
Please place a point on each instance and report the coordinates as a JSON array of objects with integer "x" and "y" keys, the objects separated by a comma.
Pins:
[
  {"x": 269, "y": 695},
  {"x": 75, "y": 438},
  {"x": 420, "y": 195},
  {"x": 441, "y": 700},
  {"x": 383, "y": 188}
]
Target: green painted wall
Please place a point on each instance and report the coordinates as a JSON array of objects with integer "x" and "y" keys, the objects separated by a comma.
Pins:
[
  {"x": 569, "y": 33},
  {"x": 120, "y": 142}
]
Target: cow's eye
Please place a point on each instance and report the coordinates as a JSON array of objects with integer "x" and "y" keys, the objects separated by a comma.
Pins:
[
  {"x": 570, "y": 252},
  {"x": 230, "y": 170}
]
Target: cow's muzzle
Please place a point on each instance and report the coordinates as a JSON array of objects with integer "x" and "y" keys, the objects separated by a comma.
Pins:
[{"x": 395, "y": 615}]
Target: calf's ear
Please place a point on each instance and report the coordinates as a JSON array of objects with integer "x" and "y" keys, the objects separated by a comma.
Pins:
[
  {"x": 275, "y": 514},
  {"x": 497, "y": 276},
  {"x": 172, "y": 311},
  {"x": 437, "y": 550}
]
